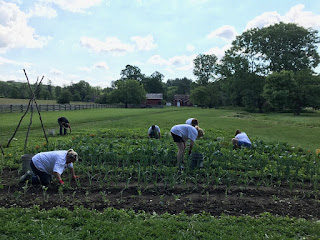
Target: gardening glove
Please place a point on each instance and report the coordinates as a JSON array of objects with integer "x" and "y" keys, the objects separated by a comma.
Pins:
[
  {"x": 75, "y": 177},
  {"x": 61, "y": 182}
]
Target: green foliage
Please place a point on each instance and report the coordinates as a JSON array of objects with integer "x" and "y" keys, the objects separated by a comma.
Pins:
[
  {"x": 205, "y": 68},
  {"x": 128, "y": 92},
  {"x": 115, "y": 224},
  {"x": 65, "y": 97}
]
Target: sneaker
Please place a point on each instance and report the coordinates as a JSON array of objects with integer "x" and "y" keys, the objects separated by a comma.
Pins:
[
  {"x": 26, "y": 176},
  {"x": 181, "y": 167}
]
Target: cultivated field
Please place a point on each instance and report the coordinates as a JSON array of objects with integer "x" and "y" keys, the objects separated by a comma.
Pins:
[{"x": 276, "y": 183}]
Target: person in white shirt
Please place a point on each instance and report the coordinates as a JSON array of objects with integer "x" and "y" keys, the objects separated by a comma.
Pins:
[
  {"x": 180, "y": 134},
  {"x": 192, "y": 121},
  {"x": 154, "y": 132},
  {"x": 241, "y": 139},
  {"x": 46, "y": 164}
]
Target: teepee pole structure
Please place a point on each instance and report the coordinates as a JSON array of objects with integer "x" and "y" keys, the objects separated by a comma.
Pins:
[{"x": 31, "y": 101}]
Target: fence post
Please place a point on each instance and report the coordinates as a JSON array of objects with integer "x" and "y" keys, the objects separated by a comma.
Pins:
[
  {"x": 10, "y": 108},
  {"x": 21, "y": 108}
]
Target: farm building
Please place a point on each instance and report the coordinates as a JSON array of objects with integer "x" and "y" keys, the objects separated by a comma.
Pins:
[
  {"x": 154, "y": 99},
  {"x": 181, "y": 100}
]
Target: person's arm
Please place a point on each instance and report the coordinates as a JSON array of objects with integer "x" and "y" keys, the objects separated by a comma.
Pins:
[
  {"x": 58, "y": 177},
  {"x": 74, "y": 176},
  {"x": 191, "y": 146}
]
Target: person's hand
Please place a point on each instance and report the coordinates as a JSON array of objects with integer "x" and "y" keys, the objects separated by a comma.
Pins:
[{"x": 61, "y": 182}]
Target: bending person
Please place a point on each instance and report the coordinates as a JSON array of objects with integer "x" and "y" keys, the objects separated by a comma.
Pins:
[
  {"x": 154, "y": 132},
  {"x": 46, "y": 164},
  {"x": 64, "y": 124},
  {"x": 180, "y": 134},
  {"x": 241, "y": 139},
  {"x": 192, "y": 121}
]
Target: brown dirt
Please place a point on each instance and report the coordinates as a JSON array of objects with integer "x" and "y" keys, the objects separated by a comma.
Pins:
[{"x": 237, "y": 201}]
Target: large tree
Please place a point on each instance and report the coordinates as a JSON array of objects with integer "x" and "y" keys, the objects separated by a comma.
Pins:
[
  {"x": 154, "y": 84},
  {"x": 282, "y": 46},
  {"x": 205, "y": 68},
  {"x": 131, "y": 72},
  {"x": 128, "y": 92}
]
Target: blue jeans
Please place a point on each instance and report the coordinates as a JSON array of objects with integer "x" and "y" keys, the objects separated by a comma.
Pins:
[
  {"x": 39, "y": 177},
  {"x": 244, "y": 144}
]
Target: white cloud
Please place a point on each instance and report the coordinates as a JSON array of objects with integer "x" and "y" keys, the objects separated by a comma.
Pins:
[
  {"x": 219, "y": 52},
  {"x": 14, "y": 29},
  {"x": 295, "y": 15},
  {"x": 101, "y": 65},
  {"x": 11, "y": 62},
  {"x": 112, "y": 45},
  {"x": 177, "y": 62},
  {"x": 190, "y": 48},
  {"x": 75, "y": 5},
  {"x": 304, "y": 18},
  {"x": 227, "y": 32},
  {"x": 144, "y": 43},
  {"x": 56, "y": 72},
  {"x": 85, "y": 69},
  {"x": 42, "y": 10}
]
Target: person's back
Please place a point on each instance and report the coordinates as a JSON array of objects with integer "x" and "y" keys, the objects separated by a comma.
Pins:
[{"x": 154, "y": 132}]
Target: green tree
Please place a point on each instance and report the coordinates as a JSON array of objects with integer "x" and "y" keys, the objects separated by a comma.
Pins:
[
  {"x": 280, "y": 90},
  {"x": 154, "y": 83},
  {"x": 131, "y": 72},
  {"x": 65, "y": 97},
  {"x": 205, "y": 68},
  {"x": 128, "y": 92},
  {"x": 287, "y": 46}
]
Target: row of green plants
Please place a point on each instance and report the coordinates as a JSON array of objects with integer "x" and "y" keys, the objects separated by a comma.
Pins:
[
  {"x": 112, "y": 157},
  {"x": 116, "y": 224}
]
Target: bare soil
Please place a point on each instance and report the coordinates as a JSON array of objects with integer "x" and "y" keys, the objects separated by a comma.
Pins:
[{"x": 216, "y": 200}]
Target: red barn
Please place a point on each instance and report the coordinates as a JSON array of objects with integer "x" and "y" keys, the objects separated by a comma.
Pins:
[
  {"x": 154, "y": 99},
  {"x": 181, "y": 100}
]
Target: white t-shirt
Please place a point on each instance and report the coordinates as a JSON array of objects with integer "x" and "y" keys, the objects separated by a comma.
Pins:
[
  {"x": 157, "y": 129},
  {"x": 189, "y": 121},
  {"x": 49, "y": 162},
  {"x": 185, "y": 131},
  {"x": 243, "y": 137}
]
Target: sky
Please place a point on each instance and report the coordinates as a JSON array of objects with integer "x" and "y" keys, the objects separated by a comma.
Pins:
[{"x": 67, "y": 41}]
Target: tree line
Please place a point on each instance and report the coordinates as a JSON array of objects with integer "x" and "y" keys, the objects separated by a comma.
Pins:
[{"x": 266, "y": 69}]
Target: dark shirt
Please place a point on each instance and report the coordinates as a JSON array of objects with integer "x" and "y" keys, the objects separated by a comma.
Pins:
[{"x": 62, "y": 120}]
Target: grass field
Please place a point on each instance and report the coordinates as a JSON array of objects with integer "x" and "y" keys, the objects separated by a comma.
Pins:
[
  {"x": 300, "y": 131},
  {"x": 270, "y": 192}
]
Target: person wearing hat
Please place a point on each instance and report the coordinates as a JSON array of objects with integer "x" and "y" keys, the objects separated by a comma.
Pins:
[
  {"x": 64, "y": 124},
  {"x": 180, "y": 134},
  {"x": 192, "y": 121},
  {"x": 46, "y": 164},
  {"x": 154, "y": 132},
  {"x": 241, "y": 139}
]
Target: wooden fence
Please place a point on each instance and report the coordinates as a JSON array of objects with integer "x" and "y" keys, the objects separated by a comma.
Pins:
[{"x": 56, "y": 107}]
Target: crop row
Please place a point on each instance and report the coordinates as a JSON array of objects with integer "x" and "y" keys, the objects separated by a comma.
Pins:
[{"x": 146, "y": 161}]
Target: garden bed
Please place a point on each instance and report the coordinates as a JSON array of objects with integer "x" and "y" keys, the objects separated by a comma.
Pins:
[{"x": 189, "y": 198}]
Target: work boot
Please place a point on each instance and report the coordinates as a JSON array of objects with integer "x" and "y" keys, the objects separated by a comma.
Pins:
[{"x": 26, "y": 176}]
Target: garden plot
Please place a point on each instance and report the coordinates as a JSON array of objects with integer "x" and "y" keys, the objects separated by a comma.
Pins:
[{"x": 141, "y": 174}]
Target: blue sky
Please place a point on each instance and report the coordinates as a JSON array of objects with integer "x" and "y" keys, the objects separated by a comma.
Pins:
[{"x": 71, "y": 40}]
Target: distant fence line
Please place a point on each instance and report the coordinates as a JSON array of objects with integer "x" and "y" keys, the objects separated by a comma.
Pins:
[{"x": 6, "y": 108}]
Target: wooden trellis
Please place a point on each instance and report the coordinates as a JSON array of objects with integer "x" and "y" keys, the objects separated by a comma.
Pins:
[{"x": 30, "y": 106}]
